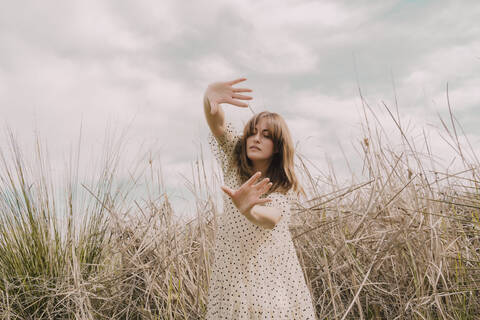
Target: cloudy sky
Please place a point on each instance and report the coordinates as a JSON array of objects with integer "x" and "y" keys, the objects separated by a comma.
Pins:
[{"x": 144, "y": 65}]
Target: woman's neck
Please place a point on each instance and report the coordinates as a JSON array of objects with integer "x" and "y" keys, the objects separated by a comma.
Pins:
[{"x": 262, "y": 166}]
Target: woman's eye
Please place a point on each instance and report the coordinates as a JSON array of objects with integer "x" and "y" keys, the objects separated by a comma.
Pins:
[{"x": 265, "y": 135}]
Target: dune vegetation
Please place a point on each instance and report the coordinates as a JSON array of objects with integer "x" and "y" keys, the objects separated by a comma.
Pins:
[{"x": 400, "y": 241}]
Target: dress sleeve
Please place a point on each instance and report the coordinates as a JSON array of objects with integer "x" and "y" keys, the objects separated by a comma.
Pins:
[{"x": 223, "y": 146}]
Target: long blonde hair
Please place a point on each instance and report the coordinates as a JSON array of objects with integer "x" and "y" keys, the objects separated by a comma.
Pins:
[{"x": 281, "y": 171}]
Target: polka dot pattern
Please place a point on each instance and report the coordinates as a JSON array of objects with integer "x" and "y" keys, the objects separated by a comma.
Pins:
[{"x": 256, "y": 273}]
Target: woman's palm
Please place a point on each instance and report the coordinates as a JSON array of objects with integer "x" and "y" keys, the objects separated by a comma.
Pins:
[
  {"x": 223, "y": 92},
  {"x": 245, "y": 197}
]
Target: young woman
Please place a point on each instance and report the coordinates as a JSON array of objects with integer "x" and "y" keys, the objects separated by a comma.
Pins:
[{"x": 256, "y": 273}]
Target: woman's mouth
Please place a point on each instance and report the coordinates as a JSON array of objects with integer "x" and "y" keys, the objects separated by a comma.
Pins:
[{"x": 254, "y": 148}]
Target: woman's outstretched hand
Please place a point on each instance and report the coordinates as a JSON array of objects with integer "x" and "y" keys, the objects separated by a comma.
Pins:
[
  {"x": 245, "y": 197},
  {"x": 223, "y": 92}
]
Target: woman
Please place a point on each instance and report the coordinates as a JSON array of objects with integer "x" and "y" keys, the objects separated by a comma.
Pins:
[{"x": 256, "y": 273}]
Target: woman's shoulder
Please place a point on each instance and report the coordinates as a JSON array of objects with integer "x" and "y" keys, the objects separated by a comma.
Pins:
[
  {"x": 223, "y": 145},
  {"x": 227, "y": 137}
]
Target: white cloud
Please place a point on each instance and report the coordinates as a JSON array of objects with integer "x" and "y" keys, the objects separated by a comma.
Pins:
[
  {"x": 278, "y": 55},
  {"x": 117, "y": 61},
  {"x": 213, "y": 67}
]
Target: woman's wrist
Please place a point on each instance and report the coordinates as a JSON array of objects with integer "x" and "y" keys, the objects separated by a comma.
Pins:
[
  {"x": 249, "y": 214},
  {"x": 206, "y": 104},
  {"x": 254, "y": 218}
]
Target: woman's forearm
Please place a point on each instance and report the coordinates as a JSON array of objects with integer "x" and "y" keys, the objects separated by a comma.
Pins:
[
  {"x": 262, "y": 216},
  {"x": 216, "y": 121}
]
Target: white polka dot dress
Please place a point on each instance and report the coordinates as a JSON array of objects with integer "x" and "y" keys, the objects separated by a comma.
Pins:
[{"x": 256, "y": 273}]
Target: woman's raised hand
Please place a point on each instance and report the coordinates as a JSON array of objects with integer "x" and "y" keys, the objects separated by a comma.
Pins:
[
  {"x": 223, "y": 92},
  {"x": 245, "y": 197}
]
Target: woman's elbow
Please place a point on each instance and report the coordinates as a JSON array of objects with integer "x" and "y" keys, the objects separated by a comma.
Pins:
[{"x": 275, "y": 222}]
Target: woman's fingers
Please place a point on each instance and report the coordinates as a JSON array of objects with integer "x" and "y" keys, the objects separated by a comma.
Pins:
[
  {"x": 264, "y": 200},
  {"x": 252, "y": 179},
  {"x": 266, "y": 187},
  {"x": 223, "y": 92},
  {"x": 240, "y": 104},
  {"x": 227, "y": 190},
  {"x": 236, "y": 81},
  {"x": 241, "y": 96},
  {"x": 262, "y": 183},
  {"x": 241, "y": 90}
]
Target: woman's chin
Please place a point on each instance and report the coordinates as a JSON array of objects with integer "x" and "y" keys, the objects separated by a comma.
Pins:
[{"x": 255, "y": 158}]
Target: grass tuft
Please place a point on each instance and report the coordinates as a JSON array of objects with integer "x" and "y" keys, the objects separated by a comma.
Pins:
[{"x": 400, "y": 242}]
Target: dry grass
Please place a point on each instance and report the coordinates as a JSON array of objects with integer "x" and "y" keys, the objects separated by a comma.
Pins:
[{"x": 402, "y": 243}]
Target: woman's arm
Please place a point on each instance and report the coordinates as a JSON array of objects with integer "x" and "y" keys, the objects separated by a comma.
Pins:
[
  {"x": 215, "y": 121},
  {"x": 222, "y": 92},
  {"x": 265, "y": 217}
]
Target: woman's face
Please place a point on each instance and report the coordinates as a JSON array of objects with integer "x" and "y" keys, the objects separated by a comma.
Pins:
[{"x": 260, "y": 144}]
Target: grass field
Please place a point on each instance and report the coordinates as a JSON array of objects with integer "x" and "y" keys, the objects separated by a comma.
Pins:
[{"x": 402, "y": 242}]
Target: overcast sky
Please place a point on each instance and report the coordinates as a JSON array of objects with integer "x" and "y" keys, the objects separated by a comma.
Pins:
[{"x": 146, "y": 64}]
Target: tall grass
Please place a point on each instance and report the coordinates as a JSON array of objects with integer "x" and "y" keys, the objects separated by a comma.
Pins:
[
  {"x": 402, "y": 241},
  {"x": 44, "y": 265}
]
